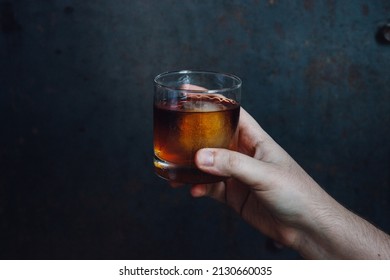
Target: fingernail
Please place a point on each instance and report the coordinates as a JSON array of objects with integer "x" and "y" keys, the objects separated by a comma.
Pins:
[{"x": 205, "y": 158}]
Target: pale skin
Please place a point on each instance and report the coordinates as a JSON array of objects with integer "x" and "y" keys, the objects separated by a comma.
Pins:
[{"x": 276, "y": 196}]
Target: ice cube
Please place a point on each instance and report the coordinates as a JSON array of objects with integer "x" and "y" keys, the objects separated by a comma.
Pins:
[
  {"x": 201, "y": 106},
  {"x": 211, "y": 129}
]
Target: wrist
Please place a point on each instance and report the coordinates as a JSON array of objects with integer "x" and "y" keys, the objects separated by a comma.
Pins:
[
  {"x": 322, "y": 229},
  {"x": 337, "y": 233}
]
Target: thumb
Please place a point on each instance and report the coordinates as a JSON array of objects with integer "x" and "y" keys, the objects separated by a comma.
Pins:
[{"x": 223, "y": 162}]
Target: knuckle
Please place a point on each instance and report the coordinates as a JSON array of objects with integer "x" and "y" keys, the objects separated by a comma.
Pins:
[{"x": 258, "y": 150}]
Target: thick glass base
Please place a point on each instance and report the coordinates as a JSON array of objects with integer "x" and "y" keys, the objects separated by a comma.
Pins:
[{"x": 187, "y": 174}]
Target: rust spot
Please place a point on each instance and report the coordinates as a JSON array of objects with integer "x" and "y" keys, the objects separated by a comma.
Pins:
[
  {"x": 308, "y": 5},
  {"x": 331, "y": 6},
  {"x": 355, "y": 78},
  {"x": 238, "y": 15},
  {"x": 222, "y": 20},
  {"x": 229, "y": 41},
  {"x": 244, "y": 47},
  {"x": 365, "y": 10},
  {"x": 324, "y": 70},
  {"x": 279, "y": 30}
]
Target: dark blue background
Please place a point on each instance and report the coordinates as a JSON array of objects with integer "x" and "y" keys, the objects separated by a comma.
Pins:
[{"x": 76, "y": 88}]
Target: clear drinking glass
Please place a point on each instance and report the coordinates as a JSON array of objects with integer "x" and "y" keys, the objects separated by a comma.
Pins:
[{"x": 193, "y": 110}]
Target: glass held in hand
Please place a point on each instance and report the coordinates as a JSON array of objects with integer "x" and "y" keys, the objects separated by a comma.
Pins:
[{"x": 193, "y": 110}]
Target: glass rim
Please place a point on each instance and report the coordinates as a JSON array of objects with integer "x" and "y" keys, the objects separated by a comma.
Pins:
[{"x": 224, "y": 89}]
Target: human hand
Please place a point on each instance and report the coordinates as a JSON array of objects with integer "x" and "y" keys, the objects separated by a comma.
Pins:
[
  {"x": 265, "y": 185},
  {"x": 276, "y": 196}
]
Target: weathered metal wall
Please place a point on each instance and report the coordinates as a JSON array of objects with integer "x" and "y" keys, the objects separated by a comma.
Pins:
[{"x": 76, "y": 178}]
